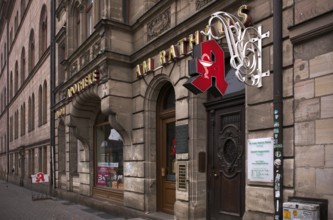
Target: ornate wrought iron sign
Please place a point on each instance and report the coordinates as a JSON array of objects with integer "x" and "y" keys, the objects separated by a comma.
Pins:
[{"x": 244, "y": 44}]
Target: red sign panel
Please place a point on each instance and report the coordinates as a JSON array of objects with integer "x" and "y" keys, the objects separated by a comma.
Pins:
[
  {"x": 40, "y": 178},
  {"x": 207, "y": 69}
]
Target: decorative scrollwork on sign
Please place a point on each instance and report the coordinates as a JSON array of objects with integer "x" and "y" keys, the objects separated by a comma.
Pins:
[
  {"x": 159, "y": 24},
  {"x": 244, "y": 44},
  {"x": 230, "y": 151}
]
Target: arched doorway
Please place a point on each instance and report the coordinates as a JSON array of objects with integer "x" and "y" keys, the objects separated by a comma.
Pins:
[{"x": 166, "y": 149}]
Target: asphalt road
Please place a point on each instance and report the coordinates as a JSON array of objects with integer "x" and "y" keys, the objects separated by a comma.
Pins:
[{"x": 16, "y": 203}]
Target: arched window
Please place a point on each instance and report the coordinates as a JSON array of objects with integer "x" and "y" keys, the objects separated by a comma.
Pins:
[
  {"x": 22, "y": 8},
  {"x": 16, "y": 78},
  {"x": 22, "y": 66},
  {"x": 40, "y": 106},
  {"x": 1, "y": 102},
  {"x": 16, "y": 23},
  {"x": 89, "y": 17},
  {"x": 43, "y": 31},
  {"x": 11, "y": 129},
  {"x": 76, "y": 28},
  {"x": 31, "y": 51},
  {"x": 5, "y": 98},
  {"x": 11, "y": 85},
  {"x": 23, "y": 119},
  {"x": 29, "y": 114},
  {"x": 44, "y": 103},
  {"x": 33, "y": 112},
  {"x": 5, "y": 53},
  {"x": 16, "y": 127},
  {"x": 61, "y": 57},
  {"x": 109, "y": 155}
]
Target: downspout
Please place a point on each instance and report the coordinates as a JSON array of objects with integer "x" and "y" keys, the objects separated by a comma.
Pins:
[
  {"x": 278, "y": 109},
  {"x": 52, "y": 98},
  {"x": 8, "y": 97}
]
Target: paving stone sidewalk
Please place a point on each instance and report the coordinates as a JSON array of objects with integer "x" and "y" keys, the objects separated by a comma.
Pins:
[{"x": 16, "y": 203}]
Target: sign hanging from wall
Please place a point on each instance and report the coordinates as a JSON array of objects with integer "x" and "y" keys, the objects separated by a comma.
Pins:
[{"x": 206, "y": 70}]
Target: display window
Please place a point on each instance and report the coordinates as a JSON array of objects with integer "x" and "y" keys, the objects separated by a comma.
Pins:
[{"x": 108, "y": 156}]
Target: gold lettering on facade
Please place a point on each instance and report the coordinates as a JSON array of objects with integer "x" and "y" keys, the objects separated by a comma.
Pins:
[
  {"x": 173, "y": 53},
  {"x": 144, "y": 68},
  {"x": 242, "y": 13},
  {"x": 60, "y": 112},
  {"x": 83, "y": 83},
  {"x": 182, "y": 47},
  {"x": 163, "y": 57},
  {"x": 185, "y": 45}
]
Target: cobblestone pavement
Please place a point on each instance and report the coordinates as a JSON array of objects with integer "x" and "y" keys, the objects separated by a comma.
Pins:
[{"x": 16, "y": 204}]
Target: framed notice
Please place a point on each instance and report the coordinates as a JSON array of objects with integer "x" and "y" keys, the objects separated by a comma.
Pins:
[{"x": 260, "y": 159}]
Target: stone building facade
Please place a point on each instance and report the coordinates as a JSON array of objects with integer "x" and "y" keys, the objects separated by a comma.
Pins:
[
  {"x": 130, "y": 136},
  {"x": 25, "y": 89}
]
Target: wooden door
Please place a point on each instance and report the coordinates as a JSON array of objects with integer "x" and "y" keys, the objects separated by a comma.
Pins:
[
  {"x": 166, "y": 152},
  {"x": 226, "y": 158}
]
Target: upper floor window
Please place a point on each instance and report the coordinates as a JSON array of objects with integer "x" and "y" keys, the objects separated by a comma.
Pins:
[
  {"x": 22, "y": 8},
  {"x": 5, "y": 53},
  {"x": 16, "y": 78},
  {"x": 76, "y": 28},
  {"x": 89, "y": 17},
  {"x": 40, "y": 106},
  {"x": 11, "y": 129},
  {"x": 31, "y": 113},
  {"x": 11, "y": 85},
  {"x": 44, "y": 102},
  {"x": 43, "y": 31},
  {"x": 23, "y": 119},
  {"x": 16, "y": 121},
  {"x": 16, "y": 23},
  {"x": 31, "y": 50},
  {"x": 22, "y": 66}
]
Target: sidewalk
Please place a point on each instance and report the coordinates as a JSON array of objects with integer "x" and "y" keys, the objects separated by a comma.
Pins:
[{"x": 16, "y": 204}]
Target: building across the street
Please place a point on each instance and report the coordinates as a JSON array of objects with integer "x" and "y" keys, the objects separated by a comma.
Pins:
[{"x": 198, "y": 109}]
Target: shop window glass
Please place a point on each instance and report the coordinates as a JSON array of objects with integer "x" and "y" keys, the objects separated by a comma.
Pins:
[{"x": 109, "y": 157}]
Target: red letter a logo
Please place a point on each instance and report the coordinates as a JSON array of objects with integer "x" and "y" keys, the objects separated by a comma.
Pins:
[{"x": 207, "y": 69}]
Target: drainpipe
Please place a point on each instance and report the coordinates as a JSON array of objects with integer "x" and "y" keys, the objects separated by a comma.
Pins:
[
  {"x": 278, "y": 109},
  {"x": 8, "y": 97},
  {"x": 52, "y": 98}
]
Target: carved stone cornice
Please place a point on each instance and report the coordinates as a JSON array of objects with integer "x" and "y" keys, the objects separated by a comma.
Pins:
[{"x": 311, "y": 28}]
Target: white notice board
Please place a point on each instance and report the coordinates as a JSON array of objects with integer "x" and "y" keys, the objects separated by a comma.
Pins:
[{"x": 260, "y": 159}]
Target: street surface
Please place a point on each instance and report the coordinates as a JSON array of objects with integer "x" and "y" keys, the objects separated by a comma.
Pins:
[{"x": 16, "y": 204}]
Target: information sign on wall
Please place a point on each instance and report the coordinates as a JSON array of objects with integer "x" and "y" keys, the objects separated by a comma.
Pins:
[{"x": 260, "y": 159}]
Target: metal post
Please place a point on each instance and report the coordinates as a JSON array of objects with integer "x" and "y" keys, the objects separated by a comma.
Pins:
[
  {"x": 278, "y": 109},
  {"x": 52, "y": 99}
]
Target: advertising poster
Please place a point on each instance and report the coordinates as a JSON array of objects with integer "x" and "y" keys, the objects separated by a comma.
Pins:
[
  {"x": 260, "y": 159},
  {"x": 106, "y": 173},
  {"x": 103, "y": 175}
]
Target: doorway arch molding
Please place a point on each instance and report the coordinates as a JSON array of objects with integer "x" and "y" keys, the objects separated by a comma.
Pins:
[{"x": 150, "y": 101}]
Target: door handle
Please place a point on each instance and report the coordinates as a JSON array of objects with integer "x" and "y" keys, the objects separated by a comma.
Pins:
[
  {"x": 213, "y": 173},
  {"x": 163, "y": 171}
]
